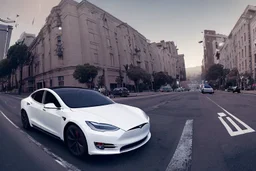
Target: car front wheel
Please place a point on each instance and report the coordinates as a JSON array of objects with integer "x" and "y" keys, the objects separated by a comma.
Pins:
[
  {"x": 76, "y": 141},
  {"x": 25, "y": 120}
]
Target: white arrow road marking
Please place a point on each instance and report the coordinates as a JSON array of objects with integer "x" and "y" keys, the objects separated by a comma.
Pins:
[
  {"x": 222, "y": 114},
  {"x": 230, "y": 118}
]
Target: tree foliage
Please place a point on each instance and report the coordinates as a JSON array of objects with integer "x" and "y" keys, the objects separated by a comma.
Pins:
[
  {"x": 215, "y": 72},
  {"x": 136, "y": 74},
  {"x": 18, "y": 56},
  {"x": 5, "y": 68},
  {"x": 85, "y": 73},
  {"x": 161, "y": 78}
]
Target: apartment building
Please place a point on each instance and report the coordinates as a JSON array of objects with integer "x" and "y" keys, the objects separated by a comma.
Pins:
[
  {"x": 5, "y": 38},
  {"x": 253, "y": 45},
  {"x": 237, "y": 50},
  {"x": 27, "y": 38},
  {"x": 211, "y": 48},
  {"x": 78, "y": 33}
]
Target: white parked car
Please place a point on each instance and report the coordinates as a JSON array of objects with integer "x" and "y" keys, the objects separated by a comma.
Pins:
[
  {"x": 207, "y": 89},
  {"x": 88, "y": 122}
]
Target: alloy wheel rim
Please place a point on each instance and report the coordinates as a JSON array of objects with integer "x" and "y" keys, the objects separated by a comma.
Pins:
[{"x": 75, "y": 141}]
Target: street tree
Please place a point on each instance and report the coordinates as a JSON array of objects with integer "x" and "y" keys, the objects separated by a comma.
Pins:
[
  {"x": 85, "y": 74},
  {"x": 5, "y": 71},
  {"x": 215, "y": 72},
  {"x": 160, "y": 78},
  {"x": 135, "y": 74},
  {"x": 120, "y": 79},
  {"x": 19, "y": 56}
]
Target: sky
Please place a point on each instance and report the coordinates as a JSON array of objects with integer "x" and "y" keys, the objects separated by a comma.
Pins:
[{"x": 181, "y": 21}]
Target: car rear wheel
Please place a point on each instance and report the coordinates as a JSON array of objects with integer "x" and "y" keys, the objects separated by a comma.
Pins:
[
  {"x": 25, "y": 120},
  {"x": 76, "y": 141}
]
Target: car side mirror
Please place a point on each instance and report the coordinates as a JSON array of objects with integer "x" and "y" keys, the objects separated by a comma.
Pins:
[{"x": 50, "y": 106}]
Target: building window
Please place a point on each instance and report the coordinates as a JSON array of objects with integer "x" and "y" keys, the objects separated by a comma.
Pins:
[
  {"x": 242, "y": 53},
  {"x": 242, "y": 65},
  {"x": 146, "y": 66},
  {"x": 112, "y": 60},
  {"x": 244, "y": 37},
  {"x": 94, "y": 53},
  {"x": 61, "y": 80},
  {"x": 106, "y": 31},
  {"x": 91, "y": 25},
  {"x": 245, "y": 51},
  {"x": 245, "y": 65},
  {"x": 108, "y": 43},
  {"x": 93, "y": 37}
]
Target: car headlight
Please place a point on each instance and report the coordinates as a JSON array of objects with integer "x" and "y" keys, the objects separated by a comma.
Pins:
[{"x": 101, "y": 127}]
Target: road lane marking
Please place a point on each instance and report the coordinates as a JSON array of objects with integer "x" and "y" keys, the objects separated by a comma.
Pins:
[
  {"x": 9, "y": 120},
  {"x": 56, "y": 158},
  {"x": 222, "y": 114},
  {"x": 230, "y": 118},
  {"x": 234, "y": 124},
  {"x": 182, "y": 158}
]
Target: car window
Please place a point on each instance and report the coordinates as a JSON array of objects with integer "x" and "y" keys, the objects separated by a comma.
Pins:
[
  {"x": 38, "y": 96},
  {"x": 50, "y": 98},
  {"x": 207, "y": 86},
  {"x": 79, "y": 98}
]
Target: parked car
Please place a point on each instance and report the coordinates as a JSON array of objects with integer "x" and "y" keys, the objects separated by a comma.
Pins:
[
  {"x": 166, "y": 89},
  {"x": 207, "y": 89},
  {"x": 123, "y": 92},
  {"x": 236, "y": 89}
]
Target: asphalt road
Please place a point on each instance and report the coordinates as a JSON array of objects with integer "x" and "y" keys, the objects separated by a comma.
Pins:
[{"x": 223, "y": 137}]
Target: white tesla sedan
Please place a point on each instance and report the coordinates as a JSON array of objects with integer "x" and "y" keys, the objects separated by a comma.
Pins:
[{"x": 88, "y": 122}]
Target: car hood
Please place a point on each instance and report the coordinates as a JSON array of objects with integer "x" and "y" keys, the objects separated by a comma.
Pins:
[{"x": 123, "y": 116}]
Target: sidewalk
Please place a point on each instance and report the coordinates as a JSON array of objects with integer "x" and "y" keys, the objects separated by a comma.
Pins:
[{"x": 249, "y": 92}]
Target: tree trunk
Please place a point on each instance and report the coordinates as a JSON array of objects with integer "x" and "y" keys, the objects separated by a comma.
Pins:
[
  {"x": 136, "y": 86},
  {"x": 20, "y": 85}
]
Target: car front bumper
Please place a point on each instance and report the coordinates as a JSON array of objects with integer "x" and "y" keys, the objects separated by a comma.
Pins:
[{"x": 120, "y": 141}]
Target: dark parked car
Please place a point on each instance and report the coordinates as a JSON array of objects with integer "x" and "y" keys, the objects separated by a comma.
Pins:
[
  {"x": 123, "y": 92},
  {"x": 234, "y": 89}
]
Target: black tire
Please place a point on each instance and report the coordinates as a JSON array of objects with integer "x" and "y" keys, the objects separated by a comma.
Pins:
[
  {"x": 25, "y": 120},
  {"x": 76, "y": 141}
]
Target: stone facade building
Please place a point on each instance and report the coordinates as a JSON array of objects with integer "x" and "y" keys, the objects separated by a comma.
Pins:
[
  {"x": 5, "y": 38},
  {"x": 238, "y": 51},
  {"x": 78, "y": 33}
]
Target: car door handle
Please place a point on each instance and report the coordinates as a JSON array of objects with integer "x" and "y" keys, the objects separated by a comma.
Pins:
[
  {"x": 44, "y": 110},
  {"x": 28, "y": 103}
]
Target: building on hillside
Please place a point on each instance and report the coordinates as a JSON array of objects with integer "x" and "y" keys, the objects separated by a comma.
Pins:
[
  {"x": 5, "y": 38},
  {"x": 78, "y": 33},
  {"x": 211, "y": 47},
  {"x": 27, "y": 38}
]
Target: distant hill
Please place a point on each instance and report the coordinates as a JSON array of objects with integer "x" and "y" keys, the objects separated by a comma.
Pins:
[{"x": 193, "y": 71}]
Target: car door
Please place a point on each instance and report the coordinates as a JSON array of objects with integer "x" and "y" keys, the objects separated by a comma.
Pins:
[
  {"x": 52, "y": 117},
  {"x": 36, "y": 107}
]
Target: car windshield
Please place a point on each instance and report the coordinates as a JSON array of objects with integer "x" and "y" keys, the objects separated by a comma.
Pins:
[
  {"x": 207, "y": 86},
  {"x": 82, "y": 98}
]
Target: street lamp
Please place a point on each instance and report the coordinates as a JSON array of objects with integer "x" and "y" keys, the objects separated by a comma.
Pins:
[{"x": 60, "y": 28}]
